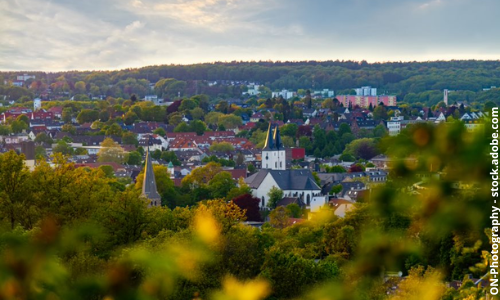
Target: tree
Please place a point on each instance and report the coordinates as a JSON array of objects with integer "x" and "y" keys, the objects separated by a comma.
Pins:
[
  {"x": 294, "y": 210},
  {"x": 380, "y": 113},
  {"x": 221, "y": 147},
  {"x": 250, "y": 205},
  {"x": 160, "y": 131},
  {"x": 182, "y": 127},
  {"x": 336, "y": 169},
  {"x": 17, "y": 126},
  {"x": 305, "y": 142},
  {"x": 220, "y": 185},
  {"x": 344, "y": 128},
  {"x": 111, "y": 151},
  {"x": 42, "y": 137},
  {"x": 197, "y": 126},
  {"x": 107, "y": 170},
  {"x": 130, "y": 117},
  {"x": 170, "y": 156},
  {"x": 67, "y": 114},
  {"x": 14, "y": 177},
  {"x": 212, "y": 118},
  {"x": 187, "y": 104},
  {"x": 63, "y": 148},
  {"x": 356, "y": 168},
  {"x": 275, "y": 195},
  {"x": 327, "y": 103},
  {"x": 230, "y": 121},
  {"x": 197, "y": 113},
  {"x": 87, "y": 116},
  {"x": 363, "y": 148},
  {"x": 68, "y": 128},
  {"x": 289, "y": 130},
  {"x": 336, "y": 189},
  {"x": 125, "y": 218},
  {"x": 129, "y": 138},
  {"x": 134, "y": 158},
  {"x": 5, "y": 130},
  {"x": 114, "y": 130},
  {"x": 379, "y": 131},
  {"x": 279, "y": 217},
  {"x": 80, "y": 87}
]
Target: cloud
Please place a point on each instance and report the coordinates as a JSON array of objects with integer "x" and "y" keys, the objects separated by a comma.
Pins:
[{"x": 114, "y": 34}]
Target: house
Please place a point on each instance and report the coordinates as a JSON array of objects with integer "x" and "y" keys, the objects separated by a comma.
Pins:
[
  {"x": 340, "y": 206},
  {"x": 256, "y": 117}
]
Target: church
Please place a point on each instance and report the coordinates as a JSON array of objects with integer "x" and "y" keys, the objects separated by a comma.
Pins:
[
  {"x": 149, "y": 190},
  {"x": 297, "y": 183}
]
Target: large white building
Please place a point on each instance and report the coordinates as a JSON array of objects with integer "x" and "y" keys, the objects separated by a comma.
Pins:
[
  {"x": 366, "y": 91},
  {"x": 286, "y": 94}
]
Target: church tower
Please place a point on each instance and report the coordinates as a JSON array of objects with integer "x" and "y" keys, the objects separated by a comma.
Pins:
[
  {"x": 149, "y": 183},
  {"x": 273, "y": 154}
]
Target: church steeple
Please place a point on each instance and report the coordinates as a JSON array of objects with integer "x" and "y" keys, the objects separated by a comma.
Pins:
[
  {"x": 277, "y": 138},
  {"x": 149, "y": 189},
  {"x": 269, "y": 145},
  {"x": 273, "y": 153}
]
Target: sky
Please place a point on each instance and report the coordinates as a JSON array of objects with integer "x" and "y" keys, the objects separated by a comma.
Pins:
[{"x": 62, "y": 35}]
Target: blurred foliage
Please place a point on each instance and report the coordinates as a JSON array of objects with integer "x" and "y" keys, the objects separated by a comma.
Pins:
[{"x": 76, "y": 233}]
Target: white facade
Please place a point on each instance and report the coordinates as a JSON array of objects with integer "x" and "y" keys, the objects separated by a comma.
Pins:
[
  {"x": 284, "y": 93},
  {"x": 274, "y": 159},
  {"x": 366, "y": 91},
  {"x": 312, "y": 200},
  {"x": 394, "y": 125},
  {"x": 37, "y": 104}
]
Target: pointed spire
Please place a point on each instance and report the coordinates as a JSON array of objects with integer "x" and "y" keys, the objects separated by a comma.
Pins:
[
  {"x": 149, "y": 182},
  {"x": 277, "y": 138},
  {"x": 269, "y": 145}
]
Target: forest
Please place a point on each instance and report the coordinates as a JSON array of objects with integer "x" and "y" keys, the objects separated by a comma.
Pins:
[
  {"x": 412, "y": 82},
  {"x": 76, "y": 233}
]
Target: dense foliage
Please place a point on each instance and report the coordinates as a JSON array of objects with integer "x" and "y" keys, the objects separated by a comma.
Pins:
[
  {"x": 412, "y": 82},
  {"x": 76, "y": 233}
]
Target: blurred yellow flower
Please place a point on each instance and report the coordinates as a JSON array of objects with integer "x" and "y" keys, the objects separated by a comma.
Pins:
[
  {"x": 249, "y": 290},
  {"x": 206, "y": 227}
]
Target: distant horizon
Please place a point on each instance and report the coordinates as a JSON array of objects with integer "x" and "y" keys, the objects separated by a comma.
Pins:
[{"x": 250, "y": 61}]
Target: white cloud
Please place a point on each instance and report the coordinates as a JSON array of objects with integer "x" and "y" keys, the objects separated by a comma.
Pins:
[{"x": 113, "y": 34}]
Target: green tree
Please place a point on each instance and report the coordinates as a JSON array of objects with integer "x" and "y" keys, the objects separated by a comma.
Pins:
[
  {"x": 14, "y": 187},
  {"x": 129, "y": 138},
  {"x": 221, "y": 184},
  {"x": 17, "y": 126},
  {"x": 42, "y": 137},
  {"x": 67, "y": 114},
  {"x": 114, "y": 130},
  {"x": 134, "y": 158},
  {"x": 221, "y": 147},
  {"x": 275, "y": 195},
  {"x": 160, "y": 131},
  {"x": 111, "y": 151},
  {"x": 63, "y": 148}
]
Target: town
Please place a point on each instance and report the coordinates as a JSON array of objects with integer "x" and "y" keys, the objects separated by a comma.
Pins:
[{"x": 270, "y": 159}]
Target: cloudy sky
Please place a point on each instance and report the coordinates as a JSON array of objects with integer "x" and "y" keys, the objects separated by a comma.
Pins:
[{"x": 113, "y": 34}]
